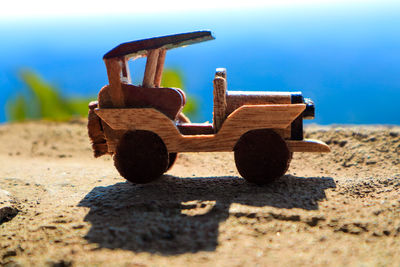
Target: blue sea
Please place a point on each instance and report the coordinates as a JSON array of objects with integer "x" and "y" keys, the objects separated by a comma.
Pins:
[{"x": 346, "y": 57}]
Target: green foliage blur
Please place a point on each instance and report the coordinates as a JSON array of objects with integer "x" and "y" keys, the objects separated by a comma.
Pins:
[
  {"x": 41, "y": 100},
  {"x": 174, "y": 78}
]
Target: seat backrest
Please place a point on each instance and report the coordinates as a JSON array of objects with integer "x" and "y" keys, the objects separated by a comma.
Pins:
[{"x": 169, "y": 101}]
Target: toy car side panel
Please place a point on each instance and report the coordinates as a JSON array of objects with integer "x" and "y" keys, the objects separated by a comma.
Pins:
[
  {"x": 123, "y": 119},
  {"x": 273, "y": 116},
  {"x": 239, "y": 122}
]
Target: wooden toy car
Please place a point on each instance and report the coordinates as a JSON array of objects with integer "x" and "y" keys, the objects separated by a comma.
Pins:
[{"x": 143, "y": 126}]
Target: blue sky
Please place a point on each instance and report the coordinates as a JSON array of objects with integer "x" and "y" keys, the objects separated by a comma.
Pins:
[
  {"x": 25, "y": 9},
  {"x": 340, "y": 53}
]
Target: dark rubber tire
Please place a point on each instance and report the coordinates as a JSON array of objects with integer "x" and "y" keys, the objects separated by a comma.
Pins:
[
  {"x": 172, "y": 159},
  {"x": 141, "y": 156},
  {"x": 262, "y": 156}
]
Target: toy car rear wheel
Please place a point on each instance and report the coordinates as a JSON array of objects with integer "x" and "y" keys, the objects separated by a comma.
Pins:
[
  {"x": 172, "y": 159},
  {"x": 262, "y": 156},
  {"x": 141, "y": 156}
]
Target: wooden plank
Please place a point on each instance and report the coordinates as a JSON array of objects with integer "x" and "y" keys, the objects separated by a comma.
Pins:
[
  {"x": 262, "y": 116},
  {"x": 138, "y": 48},
  {"x": 219, "y": 115},
  {"x": 112, "y": 136},
  {"x": 114, "y": 70},
  {"x": 150, "y": 70},
  {"x": 308, "y": 145},
  {"x": 242, "y": 120},
  {"x": 137, "y": 119},
  {"x": 236, "y": 99},
  {"x": 160, "y": 67}
]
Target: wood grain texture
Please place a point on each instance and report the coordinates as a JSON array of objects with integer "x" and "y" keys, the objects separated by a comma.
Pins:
[
  {"x": 236, "y": 99},
  {"x": 308, "y": 145},
  {"x": 151, "y": 66},
  {"x": 219, "y": 114},
  {"x": 95, "y": 131},
  {"x": 170, "y": 101},
  {"x": 167, "y": 100},
  {"x": 114, "y": 70},
  {"x": 112, "y": 136},
  {"x": 140, "y": 47},
  {"x": 104, "y": 98},
  {"x": 239, "y": 122},
  {"x": 160, "y": 67}
]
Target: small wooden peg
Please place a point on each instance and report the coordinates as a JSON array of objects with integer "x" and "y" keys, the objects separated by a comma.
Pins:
[{"x": 220, "y": 72}]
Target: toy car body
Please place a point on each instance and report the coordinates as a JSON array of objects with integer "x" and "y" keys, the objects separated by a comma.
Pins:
[{"x": 143, "y": 126}]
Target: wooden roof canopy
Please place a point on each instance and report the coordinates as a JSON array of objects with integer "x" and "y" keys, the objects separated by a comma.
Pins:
[{"x": 140, "y": 48}]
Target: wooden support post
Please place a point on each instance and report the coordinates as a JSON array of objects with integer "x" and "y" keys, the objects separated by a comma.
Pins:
[
  {"x": 151, "y": 65},
  {"x": 114, "y": 69},
  {"x": 125, "y": 75},
  {"x": 220, "y": 88},
  {"x": 160, "y": 67}
]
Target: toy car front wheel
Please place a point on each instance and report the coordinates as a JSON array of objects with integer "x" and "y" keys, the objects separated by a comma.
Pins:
[
  {"x": 261, "y": 156},
  {"x": 141, "y": 156}
]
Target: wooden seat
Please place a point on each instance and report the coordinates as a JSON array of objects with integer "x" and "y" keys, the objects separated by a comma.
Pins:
[{"x": 169, "y": 101}]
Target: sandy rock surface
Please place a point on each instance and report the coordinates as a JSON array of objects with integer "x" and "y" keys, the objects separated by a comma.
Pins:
[
  {"x": 70, "y": 209},
  {"x": 8, "y": 207}
]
